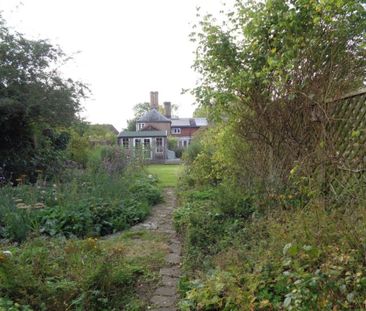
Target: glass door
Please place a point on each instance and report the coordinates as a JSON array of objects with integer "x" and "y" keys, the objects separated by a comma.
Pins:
[{"x": 147, "y": 148}]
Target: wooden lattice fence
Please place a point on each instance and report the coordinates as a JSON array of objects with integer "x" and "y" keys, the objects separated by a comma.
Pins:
[{"x": 346, "y": 145}]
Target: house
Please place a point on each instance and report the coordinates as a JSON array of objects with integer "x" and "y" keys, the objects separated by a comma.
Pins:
[
  {"x": 183, "y": 129},
  {"x": 153, "y": 130}
]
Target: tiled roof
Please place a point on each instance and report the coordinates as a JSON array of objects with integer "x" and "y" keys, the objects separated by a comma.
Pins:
[
  {"x": 128, "y": 134},
  {"x": 201, "y": 121},
  {"x": 182, "y": 122},
  {"x": 189, "y": 122},
  {"x": 153, "y": 116}
]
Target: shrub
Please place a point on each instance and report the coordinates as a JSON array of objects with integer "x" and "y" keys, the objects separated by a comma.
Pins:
[
  {"x": 58, "y": 274},
  {"x": 9, "y": 305},
  {"x": 292, "y": 258},
  {"x": 92, "y": 203}
]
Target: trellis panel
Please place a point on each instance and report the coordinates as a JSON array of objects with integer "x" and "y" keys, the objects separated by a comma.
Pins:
[{"x": 346, "y": 142}]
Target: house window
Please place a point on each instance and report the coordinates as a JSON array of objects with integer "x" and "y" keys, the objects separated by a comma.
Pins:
[
  {"x": 159, "y": 144},
  {"x": 176, "y": 130},
  {"x": 125, "y": 143},
  {"x": 137, "y": 142},
  {"x": 147, "y": 150},
  {"x": 142, "y": 125}
]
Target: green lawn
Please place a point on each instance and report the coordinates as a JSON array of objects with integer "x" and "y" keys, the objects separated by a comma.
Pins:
[{"x": 167, "y": 174}]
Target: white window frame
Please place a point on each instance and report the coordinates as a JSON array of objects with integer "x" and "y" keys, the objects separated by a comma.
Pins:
[
  {"x": 127, "y": 145},
  {"x": 150, "y": 149},
  {"x": 176, "y": 130},
  {"x": 145, "y": 139},
  {"x": 142, "y": 145},
  {"x": 183, "y": 142},
  {"x": 134, "y": 141},
  {"x": 157, "y": 146}
]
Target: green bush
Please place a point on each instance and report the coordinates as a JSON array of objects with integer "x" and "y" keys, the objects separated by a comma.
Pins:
[
  {"x": 90, "y": 203},
  {"x": 58, "y": 274},
  {"x": 209, "y": 222},
  {"x": 289, "y": 257},
  {"x": 9, "y": 305}
]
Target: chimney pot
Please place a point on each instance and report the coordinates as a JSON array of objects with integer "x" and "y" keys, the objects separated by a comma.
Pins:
[
  {"x": 168, "y": 109},
  {"x": 154, "y": 100}
]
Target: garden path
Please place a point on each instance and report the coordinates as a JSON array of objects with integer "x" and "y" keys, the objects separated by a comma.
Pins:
[{"x": 161, "y": 221}]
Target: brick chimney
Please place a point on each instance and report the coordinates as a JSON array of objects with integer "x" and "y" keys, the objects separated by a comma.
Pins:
[
  {"x": 168, "y": 109},
  {"x": 154, "y": 100}
]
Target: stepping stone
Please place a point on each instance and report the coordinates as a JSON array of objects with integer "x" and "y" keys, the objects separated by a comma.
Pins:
[
  {"x": 165, "y": 291},
  {"x": 163, "y": 301},
  {"x": 150, "y": 226},
  {"x": 162, "y": 215},
  {"x": 175, "y": 248},
  {"x": 175, "y": 241},
  {"x": 168, "y": 231},
  {"x": 170, "y": 281},
  {"x": 173, "y": 258},
  {"x": 173, "y": 272}
]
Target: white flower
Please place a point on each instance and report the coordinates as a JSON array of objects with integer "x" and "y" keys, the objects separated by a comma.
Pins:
[
  {"x": 7, "y": 253},
  {"x": 22, "y": 206},
  {"x": 39, "y": 205}
]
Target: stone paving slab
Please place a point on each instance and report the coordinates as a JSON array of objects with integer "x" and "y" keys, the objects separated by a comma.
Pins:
[
  {"x": 175, "y": 248},
  {"x": 164, "y": 301},
  {"x": 169, "y": 281},
  {"x": 171, "y": 271},
  {"x": 173, "y": 258},
  {"x": 166, "y": 291}
]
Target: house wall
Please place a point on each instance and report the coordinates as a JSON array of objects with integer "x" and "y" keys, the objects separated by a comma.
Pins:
[
  {"x": 154, "y": 154},
  {"x": 161, "y": 126},
  {"x": 186, "y": 131}
]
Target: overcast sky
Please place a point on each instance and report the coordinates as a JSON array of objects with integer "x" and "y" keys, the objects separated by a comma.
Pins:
[{"x": 127, "y": 48}]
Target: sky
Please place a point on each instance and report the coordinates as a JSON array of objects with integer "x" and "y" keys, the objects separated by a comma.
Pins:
[{"x": 122, "y": 49}]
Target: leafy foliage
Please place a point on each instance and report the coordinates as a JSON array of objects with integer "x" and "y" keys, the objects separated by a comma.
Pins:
[
  {"x": 297, "y": 259},
  {"x": 34, "y": 99},
  {"x": 54, "y": 274},
  {"x": 173, "y": 145},
  {"x": 269, "y": 70},
  {"x": 92, "y": 203},
  {"x": 258, "y": 234}
]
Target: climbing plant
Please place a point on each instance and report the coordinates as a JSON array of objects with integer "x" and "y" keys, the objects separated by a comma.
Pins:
[{"x": 269, "y": 69}]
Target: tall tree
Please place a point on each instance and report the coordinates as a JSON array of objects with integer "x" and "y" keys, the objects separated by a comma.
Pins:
[
  {"x": 139, "y": 109},
  {"x": 34, "y": 100},
  {"x": 270, "y": 68}
]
